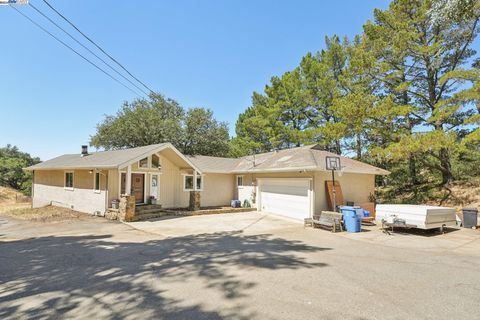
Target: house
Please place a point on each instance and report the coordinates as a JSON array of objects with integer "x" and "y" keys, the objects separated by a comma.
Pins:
[{"x": 287, "y": 182}]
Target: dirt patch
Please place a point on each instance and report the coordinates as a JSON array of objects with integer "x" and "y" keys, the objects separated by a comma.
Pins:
[{"x": 50, "y": 213}]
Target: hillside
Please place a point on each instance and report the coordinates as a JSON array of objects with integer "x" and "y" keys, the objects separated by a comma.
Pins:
[
  {"x": 12, "y": 199},
  {"x": 10, "y": 196}
]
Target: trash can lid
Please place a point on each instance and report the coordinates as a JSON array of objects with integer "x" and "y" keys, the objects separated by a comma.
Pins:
[{"x": 470, "y": 209}]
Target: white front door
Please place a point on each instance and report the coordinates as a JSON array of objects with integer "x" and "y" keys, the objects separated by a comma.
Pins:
[
  {"x": 154, "y": 188},
  {"x": 286, "y": 197}
]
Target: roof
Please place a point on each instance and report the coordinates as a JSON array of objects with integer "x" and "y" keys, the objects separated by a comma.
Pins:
[
  {"x": 103, "y": 159},
  {"x": 310, "y": 158},
  {"x": 215, "y": 164}
]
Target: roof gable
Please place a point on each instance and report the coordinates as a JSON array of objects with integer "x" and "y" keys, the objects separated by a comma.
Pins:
[{"x": 111, "y": 159}]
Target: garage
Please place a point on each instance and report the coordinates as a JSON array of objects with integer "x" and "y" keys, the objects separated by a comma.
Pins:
[{"x": 288, "y": 197}]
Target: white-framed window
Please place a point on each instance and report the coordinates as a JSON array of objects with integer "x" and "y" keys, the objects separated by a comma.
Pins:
[
  {"x": 96, "y": 182},
  {"x": 239, "y": 181},
  {"x": 155, "y": 162},
  {"x": 68, "y": 180},
  {"x": 154, "y": 186},
  {"x": 199, "y": 183},
  {"x": 143, "y": 163},
  {"x": 188, "y": 182}
]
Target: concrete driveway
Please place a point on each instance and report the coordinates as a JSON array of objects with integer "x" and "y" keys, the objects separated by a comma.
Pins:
[{"x": 237, "y": 266}]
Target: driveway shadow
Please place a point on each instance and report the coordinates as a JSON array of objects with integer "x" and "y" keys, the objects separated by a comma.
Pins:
[{"x": 93, "y": 276}]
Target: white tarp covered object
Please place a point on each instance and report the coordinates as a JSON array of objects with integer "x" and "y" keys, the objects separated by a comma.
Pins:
[{"x": 422, "y": 217}]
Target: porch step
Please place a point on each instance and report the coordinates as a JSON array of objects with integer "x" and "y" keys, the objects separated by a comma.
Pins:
[
  {"x": 147, "y": 211},
  {"x": 151, "y": 215},
  {"x": 148, "y": 208}
]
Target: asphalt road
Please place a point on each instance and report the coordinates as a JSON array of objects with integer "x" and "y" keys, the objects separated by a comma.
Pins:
[{"x": 247, "y": 266}]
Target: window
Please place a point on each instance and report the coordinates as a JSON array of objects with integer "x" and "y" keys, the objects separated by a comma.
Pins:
[
  {"x": 199, "y": 183},
  {"x": 188, "y": 183},
  {"x": 69, "y": 180},
  {"x": 143, "y": 163},
  {"x": 239, "y": 181},
  {"x": 97, "y": 182},
  {"x": 123, "y": 183},
  {"x": 155, "y": 161},
  {"x": 154, "y": 186}
]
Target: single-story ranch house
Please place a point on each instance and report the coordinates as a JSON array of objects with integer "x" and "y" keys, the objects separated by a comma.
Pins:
[{"x": 288, "y": 182}]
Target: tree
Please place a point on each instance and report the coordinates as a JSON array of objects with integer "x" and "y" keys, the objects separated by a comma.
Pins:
[
  {"x": 322, "y": 74},
  {"x": 204, "y": 135},
  {"x": 12, "y": 162},
  {"x": 404, "y": 95},
  {"x": 141, "y": 123},
  {"x": 157, "y": 120},
  {"x": 435, "y": 66},
  {"x": 443, "y": 11}
]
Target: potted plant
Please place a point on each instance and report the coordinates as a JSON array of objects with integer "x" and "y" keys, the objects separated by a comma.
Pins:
[
  {"x": 152, "y": 200},
  {"x": 115, "y": 203}
]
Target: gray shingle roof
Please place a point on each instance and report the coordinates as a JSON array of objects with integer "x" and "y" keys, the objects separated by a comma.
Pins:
[
  {"x": 309, "y": 158},
  {"x": 214, "y": 164},
  {"x": 301, "y": 158},
  {"x": 102, "y": 159}
]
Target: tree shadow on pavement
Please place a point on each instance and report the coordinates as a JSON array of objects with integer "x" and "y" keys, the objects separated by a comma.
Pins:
[{"x": 95, "y": 277}]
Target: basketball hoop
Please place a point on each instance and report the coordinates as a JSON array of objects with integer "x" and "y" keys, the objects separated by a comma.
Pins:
[{"x": 333, "y": 163}]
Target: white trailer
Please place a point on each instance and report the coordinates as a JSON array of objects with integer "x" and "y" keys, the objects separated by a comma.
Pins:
[{"x": 415, "y": 216}]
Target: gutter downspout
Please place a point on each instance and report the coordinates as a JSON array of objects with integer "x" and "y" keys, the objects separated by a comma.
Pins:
[
  {"x": 33, "y": 186},
  {"x": 106, "y": 193}
]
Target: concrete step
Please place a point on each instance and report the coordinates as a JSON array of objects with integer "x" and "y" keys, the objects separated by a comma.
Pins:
[
  {"x": 147, "y": 207},
  {"x": 152, "y": 215},
  {"x": 147, "y": 211}
]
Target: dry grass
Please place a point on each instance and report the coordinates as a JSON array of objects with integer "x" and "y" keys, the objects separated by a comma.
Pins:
[
  {"x": 12, "y": 196},
  {"x": 14, "y": 204},
  {"x": 44, "y": 214},
  {"x": 463, "y": 194}
]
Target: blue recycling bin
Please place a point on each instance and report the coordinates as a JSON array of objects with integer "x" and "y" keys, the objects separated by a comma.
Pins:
[
  {"x": 351, "y": 219},
  {"x": 236, "y": 204}
]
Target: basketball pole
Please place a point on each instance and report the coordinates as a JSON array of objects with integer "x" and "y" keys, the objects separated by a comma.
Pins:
[{"x": 334, "y": 191}]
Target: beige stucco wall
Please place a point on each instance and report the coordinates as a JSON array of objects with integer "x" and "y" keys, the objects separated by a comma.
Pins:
[
  {"x": 171, "y": 185},
  {"x": 48, "y": 189},
  {"x": 355, "y": 187},
  {"x": 113, "y": 186},
  {"x": 218, "y": 189}
]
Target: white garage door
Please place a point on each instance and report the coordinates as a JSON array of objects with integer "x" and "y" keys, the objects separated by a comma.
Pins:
[{"x": 286, "y": 197}]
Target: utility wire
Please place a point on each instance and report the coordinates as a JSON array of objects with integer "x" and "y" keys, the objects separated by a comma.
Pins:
[
  {"x": 98, "y": 46},
  {"x": 69, "y": 47},
  {"x": 86, "y": 48}
]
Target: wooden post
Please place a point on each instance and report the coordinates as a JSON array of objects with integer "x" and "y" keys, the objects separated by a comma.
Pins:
[
  {"x": 128, "y": 180},
  {"x": 194, "y": 180}
]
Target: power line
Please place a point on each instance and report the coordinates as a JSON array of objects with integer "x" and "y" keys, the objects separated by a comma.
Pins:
[
  {"x": 96, "y": 45},
  {"x": 85, "y": 47},
  {"x": 76, "y": 52}
]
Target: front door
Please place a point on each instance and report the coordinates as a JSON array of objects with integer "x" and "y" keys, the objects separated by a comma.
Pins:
[{"x": 138, "y": 187}]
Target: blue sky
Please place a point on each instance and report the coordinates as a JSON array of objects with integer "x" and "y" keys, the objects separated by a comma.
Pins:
[{"x": 211, "y": 54}]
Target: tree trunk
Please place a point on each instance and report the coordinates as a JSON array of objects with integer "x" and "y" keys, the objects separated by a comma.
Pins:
[
  {"x": 338, "y": 149},
  {"x": 359, "y": 147},
  {"x": 447, "y": 175},
  {"x": 412, "y": 170}
]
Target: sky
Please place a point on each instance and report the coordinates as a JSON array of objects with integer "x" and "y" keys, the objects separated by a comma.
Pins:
[{"x": 211, "y": 54}]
